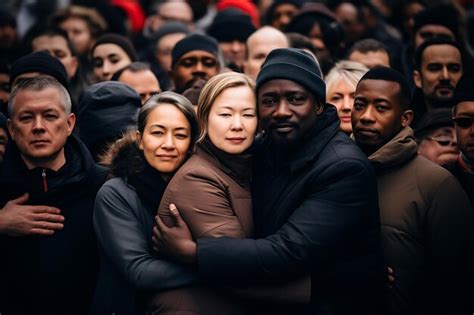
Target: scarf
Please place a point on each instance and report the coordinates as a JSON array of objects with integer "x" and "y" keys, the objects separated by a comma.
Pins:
[
  {"x": 149, "y": 186},
  {"x": 237, "y": 166}
]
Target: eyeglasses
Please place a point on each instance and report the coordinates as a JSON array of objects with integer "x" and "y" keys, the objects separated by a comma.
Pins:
[
  {"x": 443, "y": 141},
  {"x": 463, "y": 121}
]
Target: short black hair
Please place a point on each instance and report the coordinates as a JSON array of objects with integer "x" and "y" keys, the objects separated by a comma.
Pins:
[
  {"x": 436, "y": 40},
  {"x": 52, "y": 32},
  {"x": 367, "y": 45},
  {"x": 392, "y": 75},
  {"x": 133, "y": 67}
]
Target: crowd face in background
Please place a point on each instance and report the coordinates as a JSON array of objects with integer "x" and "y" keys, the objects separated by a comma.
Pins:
[
  {"x": 57, "y": 46},
  {"x": 287, "y": 110},
  {"x": 342, "y": 96},
  {"x": 79, "y": 33},
  {"x": 163, "y": 50},
  {"x": 440, "y": 145},
  {"x": 464, "y": 124},
  {"x": 144, "y": 82},
  {"x": 194, "y": 65},
  {"x": 441, "y": 69},
  {"x": 107, "y": 59},
  {"x": 232, "y": 120},
  {"x": 166, "y": 138}
]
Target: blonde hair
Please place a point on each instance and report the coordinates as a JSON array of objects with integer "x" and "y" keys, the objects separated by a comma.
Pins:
[
  {"x": 349, "y": 71},
  {"x": 213, "y": 88}
]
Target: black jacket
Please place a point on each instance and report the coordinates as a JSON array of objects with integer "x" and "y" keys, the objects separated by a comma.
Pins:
[
  {"x": 124, "y": 214},
  {"x": 51, "y": 274},
  {"x": 317, "y": 214}
]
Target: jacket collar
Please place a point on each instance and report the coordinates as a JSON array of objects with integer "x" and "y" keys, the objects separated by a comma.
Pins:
[
  {"x": 401, "y": 149},
  {"x": 79, "y": 163}
]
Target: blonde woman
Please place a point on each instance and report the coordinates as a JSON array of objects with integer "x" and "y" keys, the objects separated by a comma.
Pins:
[{"x": 341, "y": 84}]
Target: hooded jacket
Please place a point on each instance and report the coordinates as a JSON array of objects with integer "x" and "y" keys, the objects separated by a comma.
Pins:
[
  {"x": 427, "y": 230},
  {"x": 123, "y": 221},
  {"x": 318, "y": 214},
  {"x": 53, "y": 274}
]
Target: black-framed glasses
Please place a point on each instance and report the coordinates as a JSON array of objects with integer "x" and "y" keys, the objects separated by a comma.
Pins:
[
  {"x": 443, "y": 141},
  {"x": 463, "y": 121}
]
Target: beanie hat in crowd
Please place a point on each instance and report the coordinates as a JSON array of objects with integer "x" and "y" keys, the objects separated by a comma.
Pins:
[
  {"x": 106, "y": 110},
  {"x": 246, "y": 6},
  {"x": 194, "y": 42},
  {"x": 276, "y": 3},
  {"x": 295, "y": 65},
  {"x": 464, "y": 91},
  {"x": 41, "y": 62},
  {"x": 119, "y": 40},
  {"x": 230, "y": 25},
  {"x": 168, "y": 28},
  {"x": 432, "y": 120},
  {"x": 443, "y": 14}
]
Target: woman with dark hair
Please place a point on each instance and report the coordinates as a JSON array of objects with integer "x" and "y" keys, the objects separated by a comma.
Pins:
[{"x": 141, "y": 163}]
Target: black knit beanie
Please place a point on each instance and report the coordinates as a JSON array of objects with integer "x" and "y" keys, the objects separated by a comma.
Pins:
[
  {"x": 118, "y": 40},
  {"x": 230, "y": 25},
  {"x": 295, "y": 65},
  {"x": 443, "y": 14},
  {"x": 464, "y": 91},
  {"x": 41, "y": 62},
  {"x": 194, "y": 42}
]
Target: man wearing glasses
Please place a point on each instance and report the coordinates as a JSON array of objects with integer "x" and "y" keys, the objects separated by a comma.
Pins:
[
  {"x": 463, "y": 117},
  {"x": 436, "y": 137}
]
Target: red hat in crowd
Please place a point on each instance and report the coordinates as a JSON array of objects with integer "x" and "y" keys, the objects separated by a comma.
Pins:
[{"x": 246, "y": 6}]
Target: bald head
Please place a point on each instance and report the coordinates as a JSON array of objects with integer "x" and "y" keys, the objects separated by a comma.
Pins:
[{"x": 259, "y": 45}]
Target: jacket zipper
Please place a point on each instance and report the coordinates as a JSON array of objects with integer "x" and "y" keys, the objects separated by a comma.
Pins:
[{"x": 45, "y": 181}]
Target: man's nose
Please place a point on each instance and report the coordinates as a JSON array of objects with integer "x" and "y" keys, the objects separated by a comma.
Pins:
[
  {"x": 282, "y": 110},
  {"x": 368, "y": 115},
  {"x": 38, "y": 124}
]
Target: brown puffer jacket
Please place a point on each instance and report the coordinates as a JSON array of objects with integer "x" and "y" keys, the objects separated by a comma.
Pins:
[{"x": 427, "y": 230}]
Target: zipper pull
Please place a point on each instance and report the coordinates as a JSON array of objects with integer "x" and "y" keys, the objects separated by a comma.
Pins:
[{"x": 45, "y": 182}]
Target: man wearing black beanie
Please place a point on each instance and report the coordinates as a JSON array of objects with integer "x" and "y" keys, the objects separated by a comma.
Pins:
[
  {"x": 194, "y": 57},
  {"x": 427, "y": 220},
  {"x": 315, "y": 204}
]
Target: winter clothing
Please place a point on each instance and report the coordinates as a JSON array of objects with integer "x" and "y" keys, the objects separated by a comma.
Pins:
[
  {"x": 295, "y": 65},
  {"x": 464, "y": 173},
  {"x": 427, "y": 229},
  {"x": 123, "y": 220},
  {"x": 231, "y": 24},
  {"x": 314, "y": 213},
  {"x": 437, "y": 118},
  {"x": 119, "y": 40},
  {"x": 194, "y": 42},
  {"x": 225, "y": 205},
  {"x": 106, "y": 110},
  {"x": 53, "y": 274},
  {"x": 43, "y": 63}
]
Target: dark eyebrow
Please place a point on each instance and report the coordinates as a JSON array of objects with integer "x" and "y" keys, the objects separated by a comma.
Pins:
[{"x": 163, "y": 127}]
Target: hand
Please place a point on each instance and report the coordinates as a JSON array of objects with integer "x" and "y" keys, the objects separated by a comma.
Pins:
[
  {"x": 174, "y": 242},
  {"x": 17, "y": 219}
]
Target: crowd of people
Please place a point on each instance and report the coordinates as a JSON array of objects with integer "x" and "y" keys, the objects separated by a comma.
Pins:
[{"x": 236, "y": 157}]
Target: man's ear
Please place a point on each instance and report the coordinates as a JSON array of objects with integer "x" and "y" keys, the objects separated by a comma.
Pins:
[
  {"x": 417, "y": 78},
  {"x": 319, "y": 108},
  {"x": 407, "y": 117},
  {"x": 71, "y": 122}
]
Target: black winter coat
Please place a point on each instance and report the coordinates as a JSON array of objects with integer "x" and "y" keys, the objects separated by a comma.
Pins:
[
  {"x": 51, "y": 274},
  {"x": 318, "y": 213}
]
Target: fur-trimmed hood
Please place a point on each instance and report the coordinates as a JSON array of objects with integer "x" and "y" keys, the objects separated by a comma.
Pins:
[{"x": 123, "y": 157}]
